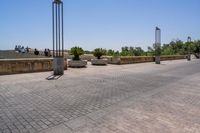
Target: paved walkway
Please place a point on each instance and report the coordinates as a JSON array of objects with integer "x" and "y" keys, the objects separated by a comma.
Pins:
[{"x": 138, "y": 98}]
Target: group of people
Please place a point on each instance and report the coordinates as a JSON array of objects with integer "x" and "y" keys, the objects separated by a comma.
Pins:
[
  {"x": 47, "y": 52},
  {"x": 22, "y": 49}
]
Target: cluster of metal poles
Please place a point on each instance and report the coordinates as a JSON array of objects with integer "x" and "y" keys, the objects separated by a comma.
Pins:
[{"x": 58, "y": 35}]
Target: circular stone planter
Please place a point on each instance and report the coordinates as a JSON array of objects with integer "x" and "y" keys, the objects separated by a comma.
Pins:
[
  {"x": 99, "y": 62},
  {"x": 77, "y": 63}
]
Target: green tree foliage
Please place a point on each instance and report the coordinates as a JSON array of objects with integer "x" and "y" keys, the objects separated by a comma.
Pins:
[
  {"x": 157, "y": 50},
  {"x": 77, "y": 52},
  {"x": 124, "y": 51},
  {"x": 138, "y": 51},
  {"x": 110, "y": 52},
  {"x": 132, "y": 51},
  {"x": 196, "y": 46},
  {"x": 177, "y": 48},
  {"x": 150, "y": 51},
  {"x": 99, "y": 52},
  {"x": 117, "y": 53}
]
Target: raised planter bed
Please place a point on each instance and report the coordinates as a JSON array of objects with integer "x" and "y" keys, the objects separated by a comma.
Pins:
[
  {"x": 77, "y": 63},
  {"x": 100, "y": 62}
]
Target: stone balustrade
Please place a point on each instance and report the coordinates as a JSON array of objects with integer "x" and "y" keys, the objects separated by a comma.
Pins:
[
  {"x": 15, "y": 66},
  {"x": 140, "y": 59}
]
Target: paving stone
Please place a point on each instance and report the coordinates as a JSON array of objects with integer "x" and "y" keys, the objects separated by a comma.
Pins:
[
  {"x": 128, "y": 98},
  {"x": 97, "y": 115},
  {"x": 58, "y": 129},
  {"x": 79, "y": 123}
]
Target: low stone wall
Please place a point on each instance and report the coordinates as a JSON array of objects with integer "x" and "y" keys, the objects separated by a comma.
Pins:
[
  {"x": 139, "y": 59},
  {"x": 11, "y": 54},
  {"x": 129, "y": 60},
  {"x": 15, "y": 66},
  {"x": 172, "y": 57}
]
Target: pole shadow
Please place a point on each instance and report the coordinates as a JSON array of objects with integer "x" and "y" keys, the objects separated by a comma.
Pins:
[{"x": 53, "y": 77}]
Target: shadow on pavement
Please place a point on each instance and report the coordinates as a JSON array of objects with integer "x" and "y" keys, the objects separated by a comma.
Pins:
[{"x": 53, "y": 77}]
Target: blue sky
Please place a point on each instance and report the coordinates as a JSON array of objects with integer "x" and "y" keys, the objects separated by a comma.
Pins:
[{"x": 91, "y": 24}]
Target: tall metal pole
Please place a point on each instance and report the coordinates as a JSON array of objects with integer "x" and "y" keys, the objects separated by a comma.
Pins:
[
  {"x": 189, "y": 39},
  {"x": 53, "y": 27},
  {"x": 62, "y": 31},
  {"x": 58, "y": 37},
  {"x": 157, "y": 45}
]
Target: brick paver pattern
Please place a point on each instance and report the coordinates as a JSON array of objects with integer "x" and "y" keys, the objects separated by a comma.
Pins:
[{"x": 140, "y": 98}]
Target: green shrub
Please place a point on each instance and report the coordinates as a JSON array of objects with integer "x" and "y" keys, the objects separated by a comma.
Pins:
[
  {"x": 99, "y": 52},
  {"x": 157, "y": 50},
  {"x": 77, "y": 52}
]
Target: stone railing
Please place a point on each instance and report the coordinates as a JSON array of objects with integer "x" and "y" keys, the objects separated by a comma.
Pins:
[
  {"x": 10, "y": 54},
  {"x": 15, "y": 66},
  {"x": 172, "y": 57},
  {"x": 140, "y": 59}
]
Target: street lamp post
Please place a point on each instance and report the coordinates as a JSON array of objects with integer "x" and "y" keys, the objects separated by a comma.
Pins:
[
  {"x": 58, "y": 37},
  {"x": 157, "y": 45},
  {"x": 189, "y": 39}
]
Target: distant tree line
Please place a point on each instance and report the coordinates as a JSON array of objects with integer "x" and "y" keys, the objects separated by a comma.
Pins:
[{"x": 177, "y": 47}]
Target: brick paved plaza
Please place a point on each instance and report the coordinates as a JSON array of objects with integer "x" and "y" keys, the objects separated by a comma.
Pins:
[{"x": 137, "y": 98}]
